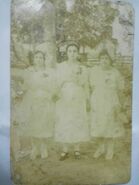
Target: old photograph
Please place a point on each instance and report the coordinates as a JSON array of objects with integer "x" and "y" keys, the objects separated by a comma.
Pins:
[{"x": 71, "y": 92}]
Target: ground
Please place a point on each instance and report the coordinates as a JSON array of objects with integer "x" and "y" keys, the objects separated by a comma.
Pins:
[{"x": 86, "y": 171}]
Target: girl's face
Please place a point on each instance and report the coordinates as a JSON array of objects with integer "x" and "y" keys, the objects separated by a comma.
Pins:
[
  {"x": 39, "y": 60},
  {"x": 105, "y": 61},
  {"x": 72, "y": 53}
]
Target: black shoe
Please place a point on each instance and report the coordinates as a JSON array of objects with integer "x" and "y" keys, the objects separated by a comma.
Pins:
[{"x": 64, "y": 156}]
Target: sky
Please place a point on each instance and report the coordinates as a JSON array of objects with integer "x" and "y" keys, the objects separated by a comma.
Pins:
[{"x": 5, "y": 92}]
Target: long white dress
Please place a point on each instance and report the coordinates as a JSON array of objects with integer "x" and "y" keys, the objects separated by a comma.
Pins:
[
  {"x": 71, "y": 116},
  {"x": 39, "y": 109},
  {"x": 105, "y": 101}
]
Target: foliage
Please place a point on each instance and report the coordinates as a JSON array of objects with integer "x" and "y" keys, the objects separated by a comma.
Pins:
[{"x": 86, "y": 22}]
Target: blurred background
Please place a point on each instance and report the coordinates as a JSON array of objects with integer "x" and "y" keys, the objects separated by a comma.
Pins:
[{"x": 5, "y": 95}]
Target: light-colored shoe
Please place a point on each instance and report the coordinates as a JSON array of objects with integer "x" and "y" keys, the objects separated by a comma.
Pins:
[
  {"x": 100, "y": 151},
  {"x": 33, "y": 154},
  {"x": 109, "y": 154},
  {"x": 44, "y": 154}
]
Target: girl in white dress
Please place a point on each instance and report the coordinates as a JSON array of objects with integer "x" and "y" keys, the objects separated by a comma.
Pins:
[
  {"x": 106, "y": 83},
  {"x": 38, "y": 105},
  {"x": 71, "y": 115}
]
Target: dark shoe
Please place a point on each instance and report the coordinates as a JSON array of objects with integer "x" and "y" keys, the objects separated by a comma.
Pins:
[{"x": 64, "y": 156}]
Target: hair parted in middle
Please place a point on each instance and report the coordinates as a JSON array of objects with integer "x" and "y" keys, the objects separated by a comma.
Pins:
[{"x": 73, "y": 44}]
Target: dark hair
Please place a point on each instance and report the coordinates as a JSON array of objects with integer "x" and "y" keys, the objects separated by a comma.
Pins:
[
  {"x": 72, "y": 44},
  {"x": 31, "y": 56},
  {"x": 103, "y": 53},
  {"x": 41, "y": 52}
]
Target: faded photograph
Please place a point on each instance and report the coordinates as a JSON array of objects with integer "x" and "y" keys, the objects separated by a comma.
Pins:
[{"x": 71, "y": 92}]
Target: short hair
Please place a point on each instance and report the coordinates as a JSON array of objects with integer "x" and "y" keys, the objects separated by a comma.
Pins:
[
  {"x": 103, "y": 53},
  {"x": 41, "y": 52},
  {"x": 31, "y": 56}
]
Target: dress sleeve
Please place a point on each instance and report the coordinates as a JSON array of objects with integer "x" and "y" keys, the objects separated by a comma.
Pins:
[
  {"x": 59, "y": 79},
  {"x": 120, "y": 81},
  {"x": 52, "y": 81},
  {"x": 18, "y": 75},
  {"x": 92, "y": 78},
  {"x": 85, "y": 81}
]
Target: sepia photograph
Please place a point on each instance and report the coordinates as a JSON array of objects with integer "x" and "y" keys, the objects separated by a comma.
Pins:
[{"x": 71, "y": 92}]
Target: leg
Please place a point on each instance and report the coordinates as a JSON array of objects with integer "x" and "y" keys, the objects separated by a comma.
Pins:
[
  {"x": 43, "y": 149},
  {"x": 64, "y": 154},
  {"x": 100, "y": 150},
  {"x": 77, "y": 151},
  {"x": 34, "y": 150},
  {"x": 109, "y": 149}
]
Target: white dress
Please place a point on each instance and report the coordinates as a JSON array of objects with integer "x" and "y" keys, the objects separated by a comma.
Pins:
[
  {"x": 71, "y": 115},
  {"x": 39, "y": 109},
  {"x": 105, "y": 85}
]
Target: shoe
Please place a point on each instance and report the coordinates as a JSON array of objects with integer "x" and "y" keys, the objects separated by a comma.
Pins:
[
  {"x": 77, "y": 155},
  {"x": 99, "y": 151},
  {"x": 64, "y": 156},
  {"x": 109, "y": 154},
  {"x": 44, "y": 154}
]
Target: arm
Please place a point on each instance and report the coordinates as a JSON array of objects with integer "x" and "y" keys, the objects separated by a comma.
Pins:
[
  {"x": 85, "y": 84},
  {"x": 20, "y": 77},
  {"x": 56, "y": 84}
]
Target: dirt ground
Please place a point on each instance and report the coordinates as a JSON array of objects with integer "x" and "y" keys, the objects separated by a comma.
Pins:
[{"x": 86, "y": 171}]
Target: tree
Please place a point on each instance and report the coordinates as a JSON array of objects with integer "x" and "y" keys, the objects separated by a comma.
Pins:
[
  {"x": 33, "y": 24},
  {"x": 86, "y": 23}
]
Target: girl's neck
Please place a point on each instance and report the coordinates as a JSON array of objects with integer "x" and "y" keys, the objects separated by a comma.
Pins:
[{"x": 38, "y": 68}]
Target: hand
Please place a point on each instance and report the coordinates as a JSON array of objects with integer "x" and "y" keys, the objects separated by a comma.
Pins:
[
  {"x": 20, "y": 93},
  {"x": 55, "y": 98},
  {"x": 88, "y": 106},
  {"x": 117, "y": 112},
  {"x": 45, "y": 75}
]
